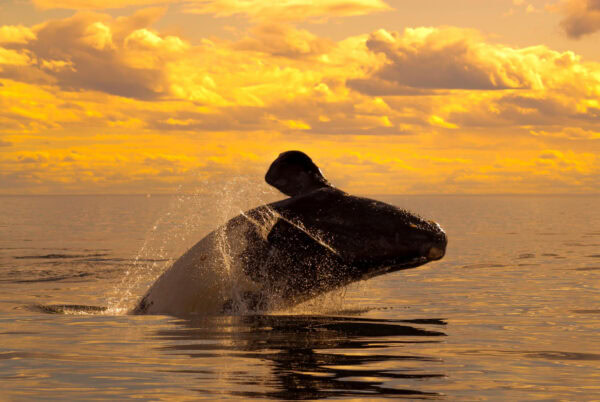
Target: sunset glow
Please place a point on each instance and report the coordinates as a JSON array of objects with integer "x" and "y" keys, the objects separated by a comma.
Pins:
[{"x": 402, "y": 97}]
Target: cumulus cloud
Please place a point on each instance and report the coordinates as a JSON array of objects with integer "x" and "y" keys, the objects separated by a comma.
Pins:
[
  {"x": 9, "y": 57},
  {"x": 423, "y": 59},
  {"x": 423, "y": 110},
  {"x": 15, "y": 34},
  {"x": 581, "y": 17},
  {"x": 119, "y": 56},
  {"x": 284, "y": 40},
  {"x": 126, "y": 57},
  {"x": 287, "y": 79}
]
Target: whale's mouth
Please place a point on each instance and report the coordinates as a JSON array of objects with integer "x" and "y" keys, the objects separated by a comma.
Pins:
[
  {"x": 413, "y": 263},
  {"x": 436, "y": 253},
  {"x": 393, "y": 267}
]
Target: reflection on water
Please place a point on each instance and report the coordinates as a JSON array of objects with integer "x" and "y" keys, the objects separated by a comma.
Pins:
[
  {"x": 518, "y": 291},
  {"x": 314, "y": 356},
  {"x": 290, "y": 357}
]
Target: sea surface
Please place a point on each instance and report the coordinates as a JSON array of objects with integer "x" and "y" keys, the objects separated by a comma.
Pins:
[{"x": 512, "y": 312}]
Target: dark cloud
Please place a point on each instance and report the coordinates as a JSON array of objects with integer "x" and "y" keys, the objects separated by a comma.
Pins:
[
  {"x": 423, "y": 60},
  {"x": 32, "y": 158},
  {"x": 89, "y": 52},
  {"x": 243, "y": 118},
  {"x": 96, "y": 62},
  {"x": 378, "y": 86},
  {"x": 548, "y": 155},
  {"x": 342, "y": 118},
  {"x": 285, "y": 41},
  {"x": 582, "y": 17},
  {"x": 522, "y": 110}
]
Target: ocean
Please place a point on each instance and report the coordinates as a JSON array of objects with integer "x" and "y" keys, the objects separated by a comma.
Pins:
[{"x": 512, "y": 312}]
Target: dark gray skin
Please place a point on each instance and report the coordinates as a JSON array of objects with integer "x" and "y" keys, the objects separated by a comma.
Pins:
[
  {"x": 326, "y": 239},
  {"x": 319, "y": 239}
]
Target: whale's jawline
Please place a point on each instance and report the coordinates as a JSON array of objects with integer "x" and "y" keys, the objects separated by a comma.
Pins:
[{"x": 390, "y": 267}]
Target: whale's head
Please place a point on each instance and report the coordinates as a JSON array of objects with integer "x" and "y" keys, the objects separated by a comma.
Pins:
[
  {"x": 370, "y": 236},
  {"x": 378, "y": 237}
]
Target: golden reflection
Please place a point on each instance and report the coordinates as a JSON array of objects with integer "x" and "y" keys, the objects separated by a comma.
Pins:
[{"x": 311, "y": 356}]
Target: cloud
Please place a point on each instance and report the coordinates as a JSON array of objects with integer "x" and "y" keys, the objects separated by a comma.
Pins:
[
  {"x": 521, "y": 5},
  {"x": 119, "y": 56},
  {"x": 32, "y": 157},
  {"x": 551, "y": 160},
  {"x": 424, "y": 59},
  {"x": 287, "y": 10},
  {"x": 569, "y": 133},
  {"x": 15, "y": 34},
  {"x": 284, "y": 40},
  {"x": 96, "y": 103},
  {"x": 259, "y": 10},
  {"x": 581, "y": 17},
  {"x": 10, "y": 57},
  {"x": 96, "y": 4},
  {"x": 282, "y": 78},
  {"x": 95, "y": 48}
]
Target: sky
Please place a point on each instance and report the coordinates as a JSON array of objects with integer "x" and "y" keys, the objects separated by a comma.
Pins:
[{"x": 387, "y": 97}]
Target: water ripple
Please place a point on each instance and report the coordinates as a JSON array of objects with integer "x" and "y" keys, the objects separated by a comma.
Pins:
[{"x": 313, "y": 356}]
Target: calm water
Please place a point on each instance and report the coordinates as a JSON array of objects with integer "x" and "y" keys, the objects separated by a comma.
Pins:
[{"x": 511, "y": 313}]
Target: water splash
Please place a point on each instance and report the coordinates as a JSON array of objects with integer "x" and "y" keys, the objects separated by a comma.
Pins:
[
  {"x": 230, "y": 245},
  {"x": 190, "y": 216}
]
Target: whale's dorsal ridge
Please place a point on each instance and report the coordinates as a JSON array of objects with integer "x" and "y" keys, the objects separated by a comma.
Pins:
[{"x": 294, "y": 173}]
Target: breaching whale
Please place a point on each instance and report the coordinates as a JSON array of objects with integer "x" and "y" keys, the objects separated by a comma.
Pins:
[{"x": 281, "y": 254}]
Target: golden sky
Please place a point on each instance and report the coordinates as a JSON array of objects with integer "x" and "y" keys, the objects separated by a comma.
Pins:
[{"x": 400, "y": 97}]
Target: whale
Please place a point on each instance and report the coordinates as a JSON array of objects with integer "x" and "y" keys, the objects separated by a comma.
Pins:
[{"x": 278, "y": 255}]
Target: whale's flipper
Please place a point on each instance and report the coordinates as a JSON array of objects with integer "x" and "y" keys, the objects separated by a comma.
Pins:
[
  {"x": 294, "y": 173},
  {"x": 294, "y": 275}
]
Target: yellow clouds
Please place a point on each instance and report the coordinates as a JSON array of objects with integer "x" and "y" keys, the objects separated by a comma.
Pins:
[
  {"x": 452, "y": 58},
  {"x": 97, "y": 52},
  {"x": 581, "y": 17},
  {"x": 13, "y": 58},
  {"x": 569, "y": 133},
  {"x": 287, "y": 10},
  {"x": 459, "y": 80},
  {"x": 284, "y": 40},
  {"x": 11, "y": 35},
  {"x": 15, "y": 34},
  {"x": 263, "y": 10},
  {"x": 94, "y": 102},
  {"x": 144, "y": 39},
  {"x": 96, "y": 4}
]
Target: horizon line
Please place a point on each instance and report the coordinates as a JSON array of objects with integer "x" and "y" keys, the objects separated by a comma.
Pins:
[{"x": 370, "y": 194}]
